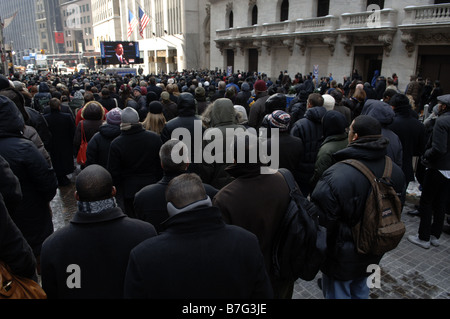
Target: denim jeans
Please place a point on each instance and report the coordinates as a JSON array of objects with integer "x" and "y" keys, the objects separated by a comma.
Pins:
[
  {"x": 350, "y": 289},
  {"x": 433, "y": 204}
]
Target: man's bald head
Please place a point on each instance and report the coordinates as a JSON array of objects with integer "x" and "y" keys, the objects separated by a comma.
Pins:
[{"x": 94, "y": 183}]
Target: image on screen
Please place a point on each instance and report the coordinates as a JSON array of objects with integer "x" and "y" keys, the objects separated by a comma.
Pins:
[{"x": 119, "y": 52}]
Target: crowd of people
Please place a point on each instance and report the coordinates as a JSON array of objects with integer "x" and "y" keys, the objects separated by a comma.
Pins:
[{"x": 148, "y": 226}]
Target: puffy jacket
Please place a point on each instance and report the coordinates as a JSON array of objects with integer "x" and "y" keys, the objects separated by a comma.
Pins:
[
  {"x": 98, "y": 147},
  {"x": 341, "y": 195},
  {"x": 309, "y": 130}
]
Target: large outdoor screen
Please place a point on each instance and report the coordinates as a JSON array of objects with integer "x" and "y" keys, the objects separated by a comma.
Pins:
[{"x": 120, "y": 52}]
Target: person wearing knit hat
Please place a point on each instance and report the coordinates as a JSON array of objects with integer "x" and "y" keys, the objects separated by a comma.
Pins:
[
  {"x": 279, "y": 119},
  {"x": 155, "y": 120},
  {"x": 98, "y": 148},
  {"x": 133, "y": 159},
  {"x": 114, "y": 116},
  {"x": 328, "y": 102},
  {"x": 260, "y": 86},
  {"x": 129, "y": 117},
  {"x": 258, "y": 108},
  {"x": 169, "y": 106}
]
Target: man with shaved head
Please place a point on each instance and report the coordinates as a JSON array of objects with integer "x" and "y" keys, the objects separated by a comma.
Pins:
[{"x": 88, "y": 257}]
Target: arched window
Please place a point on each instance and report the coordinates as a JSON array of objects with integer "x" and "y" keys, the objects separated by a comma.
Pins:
[
  {"x": 284, "y": 12},
  {"x": 230, "y": 19},
  {"x": 255, "y": 15}
]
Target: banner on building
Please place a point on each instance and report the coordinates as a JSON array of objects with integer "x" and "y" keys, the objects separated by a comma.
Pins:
[{"x": 59, "y": 37}]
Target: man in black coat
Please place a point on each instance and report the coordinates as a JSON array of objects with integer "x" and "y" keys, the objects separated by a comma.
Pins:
[
  {"x": 410, "y": 131},
  {"x": 341, "y": 194},
  {"x": 150, "y": 202},
  {"x": 133, "y": 159},
  {"x": 309, "y": 130},
  {"x": 187, "y": 119},
  {"x": 62, "y": 128},
  {"x": 198, "y": 256},
  {"x": 88, "y": 258},
  {"x": 436, "y": 182}
]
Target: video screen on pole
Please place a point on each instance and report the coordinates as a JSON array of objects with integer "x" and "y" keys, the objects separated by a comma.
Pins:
[{"x": 120, "y": 52}]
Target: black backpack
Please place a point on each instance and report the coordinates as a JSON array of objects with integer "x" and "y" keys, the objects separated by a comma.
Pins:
[{"x": 300, "y": 243}]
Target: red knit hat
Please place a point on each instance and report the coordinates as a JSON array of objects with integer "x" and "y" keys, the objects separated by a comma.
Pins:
[{"x": 260, "y": 86}]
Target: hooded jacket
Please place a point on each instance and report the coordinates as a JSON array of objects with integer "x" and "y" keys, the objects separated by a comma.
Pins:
[
  {"x": 186, "y": 119},
  {"x": 38, "y": 182},
  {"x": 385, "y": 115},
  {"x": 335, "y": 139},
  {"x": 42, "y": 98},
  {"x": 98, "y": 147},
  {"x": 411, "y": 133},
  {"x": 223, "y": 118}
]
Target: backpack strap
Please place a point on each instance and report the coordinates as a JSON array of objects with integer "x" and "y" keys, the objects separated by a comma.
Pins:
[
  {"x": 387, "y": 167},
  {"x": 367, "y": 172},
  {"x": 362, "y": 168},
  {"x": 293, "y": 188}
]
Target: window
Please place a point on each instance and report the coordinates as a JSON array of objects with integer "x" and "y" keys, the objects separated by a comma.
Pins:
[
  {"x": 255, "y": 15},
  {"x": 230, "y": 19},
  {"x": 284, "y": 12},
  {"x": 379, "y": 3},
  {"x": 323, "y": 7}
]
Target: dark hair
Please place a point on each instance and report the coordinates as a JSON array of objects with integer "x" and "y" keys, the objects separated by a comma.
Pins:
[
  {"x": 366, "y": 125},
  {"x": 315, "y": 99},
  {"x": 54, "y": 103},
  {"x": 337, "y": 95},
  {"x": 94, "y": 183},
  {"x": 167, "y": 161},
  {"x": 389, "y": 93},
  {"x": 399, "y": 100}
]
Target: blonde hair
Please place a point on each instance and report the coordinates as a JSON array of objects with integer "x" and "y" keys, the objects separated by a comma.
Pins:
[{"x": 154, "y": 122}]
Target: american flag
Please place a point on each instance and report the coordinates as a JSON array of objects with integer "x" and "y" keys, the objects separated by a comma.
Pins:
[
  {"x": 143, "y": 21},
  {"x": 132, "y": 23}
]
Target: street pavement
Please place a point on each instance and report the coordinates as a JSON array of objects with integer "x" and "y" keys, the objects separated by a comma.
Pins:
[{"x": 407, "y": 272}]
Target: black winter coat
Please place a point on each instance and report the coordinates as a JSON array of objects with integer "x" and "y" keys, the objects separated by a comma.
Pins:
[
  {"x": 134, "y": 160},
  {"x": 14, "y": 250},
  {"x": 341, "y": 195},
  {"x": 150, "y": 202},
  {"x": 187, "y": 118},
  {"x": 37, "y": 181},
  {"x": 100, "y": 245},
  {"x": 172, "y": 265},
  {"x": 62, "y": 128},
  {"x": 437, "y": 154},
  {"x": 411, "y": 133},
  {"x": 98, "y": 147},
  {"x": 309, "y": 130}
]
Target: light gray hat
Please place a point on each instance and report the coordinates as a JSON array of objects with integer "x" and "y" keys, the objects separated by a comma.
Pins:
[
  {"x": 444, "y": 99},
  {"x": 130, "y": 115}
]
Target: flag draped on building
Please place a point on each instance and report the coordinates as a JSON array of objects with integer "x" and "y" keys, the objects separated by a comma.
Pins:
[
  {"x": 132, "y": 23},
  {"x": 143, "y": 21}
]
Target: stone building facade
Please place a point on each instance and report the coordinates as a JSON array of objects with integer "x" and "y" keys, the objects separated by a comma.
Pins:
[{"x": 405, "y": 37}]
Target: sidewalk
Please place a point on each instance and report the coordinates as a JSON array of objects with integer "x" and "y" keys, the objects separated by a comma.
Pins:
[{"x": 407, "y": 272}]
